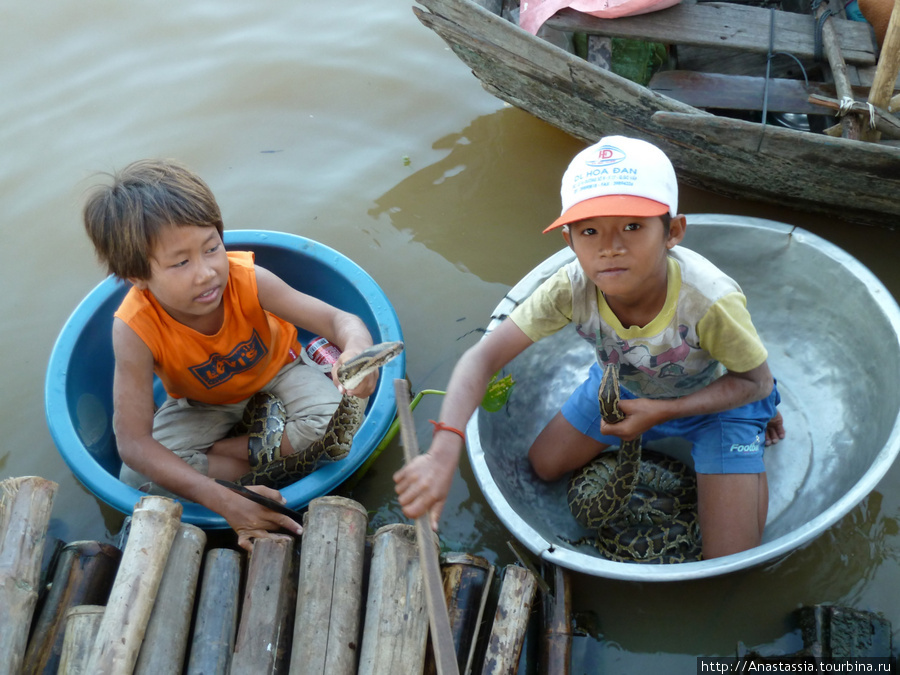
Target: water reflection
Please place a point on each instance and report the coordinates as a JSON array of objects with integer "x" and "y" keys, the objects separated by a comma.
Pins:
[{"x": 467, "y": 205}]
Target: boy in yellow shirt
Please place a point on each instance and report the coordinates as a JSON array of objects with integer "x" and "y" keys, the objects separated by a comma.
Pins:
[{"x": 689, "y": 359}]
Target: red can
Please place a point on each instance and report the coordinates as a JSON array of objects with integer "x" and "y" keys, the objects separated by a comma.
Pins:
[{"x": 322, "y": 351}]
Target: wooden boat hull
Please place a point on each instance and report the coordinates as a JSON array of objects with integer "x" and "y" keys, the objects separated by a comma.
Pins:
[
  {"x": 808, "y": 298},
  {"x": 841, "y": 178},
  {"x": 78, "y": 394}
]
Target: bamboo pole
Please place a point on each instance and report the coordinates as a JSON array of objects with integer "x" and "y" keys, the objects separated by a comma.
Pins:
[
  {"x": 25, "y": 506},
  {"x": 82, "y": 624},
  {"x": 556, "y": 642},
  {"x": 396, "y": 625},
  {"x": 851, "y": 126},
  {"x": 517, "y": 592},
  {"x": 438, "y": 619},
  {"x": 887, "y": 69},
  {"x": 165, "y": 641},
  {"x": 217, "y": 614},
  {"x": 467, "y": 583},
  {"x": 262, "y": 634},
  {"x": 84, "y": 576},
  {"x": 330, "y": 588},
  {"x": 153, "y": 528}
]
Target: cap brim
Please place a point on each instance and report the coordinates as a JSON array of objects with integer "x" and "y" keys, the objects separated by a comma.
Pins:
[{"x": 610, "y": 205}]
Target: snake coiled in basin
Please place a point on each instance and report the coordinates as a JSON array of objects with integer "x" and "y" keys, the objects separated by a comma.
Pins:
[
  {"x": 264, "y": 425},
  {"x": 641, "y": 505}
]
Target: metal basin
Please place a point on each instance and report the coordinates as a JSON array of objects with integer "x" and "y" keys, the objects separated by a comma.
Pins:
[
  {"x": 808, "y": 300},
  {"x": 78, "y": 394}
]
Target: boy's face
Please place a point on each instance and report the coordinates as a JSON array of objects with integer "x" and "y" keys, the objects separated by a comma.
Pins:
[
  {"x": 188, "y": 274},
  {"x": 625, "y": 256}
]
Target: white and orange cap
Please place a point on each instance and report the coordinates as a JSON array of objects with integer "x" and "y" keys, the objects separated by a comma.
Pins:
[{"x": 618, "y": 176}]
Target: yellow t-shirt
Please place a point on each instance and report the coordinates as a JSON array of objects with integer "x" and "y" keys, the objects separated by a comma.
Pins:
[
  {"x": 236, "y": 362},
  {"x": 703, "y": 329}
]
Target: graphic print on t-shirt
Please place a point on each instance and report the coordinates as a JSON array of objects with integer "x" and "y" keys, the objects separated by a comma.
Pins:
[{"x": 218, "y": 369}]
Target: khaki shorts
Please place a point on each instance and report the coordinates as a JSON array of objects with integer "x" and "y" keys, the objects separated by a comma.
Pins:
[{"x": 189, "y": 428}]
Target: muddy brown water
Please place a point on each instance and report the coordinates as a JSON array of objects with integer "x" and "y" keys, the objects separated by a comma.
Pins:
[{"x": 352, "y": 124}]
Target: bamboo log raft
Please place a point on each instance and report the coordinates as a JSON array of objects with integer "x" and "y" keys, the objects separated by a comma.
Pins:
[
  {"x": 153, "y": 528},
  {"x": 556, "y": 642},
  {"x": 467, "y": 584},
  {"x": 25, "y": 505},
  {"x": 330, "y": 588},
  {"x": 504, "y": 647},
  {"x": 263, "y": 632},
  {"x": 396, "y": 625},
  {"x": 83, "y": 576},
  {"x": 217, "y": 614},
  {"x": 165, "y": 641},
  {"x": 82, "y": 624}
]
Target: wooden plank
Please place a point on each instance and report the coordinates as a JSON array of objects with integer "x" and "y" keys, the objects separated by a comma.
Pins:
[
  {"x": 166, "y": 639},
  {"x": 84, "y": 576},
  {"x": 441, "y": 638},
  {"x": 217, "y": 614},
  {"x": 517, "y": 591},
  {"x": 25, "y": 506},
  {"x": 396, "y": 626},
  {"x": 727, "y": 26},
  {"x": 329, "y": 591},
  {"x": 262, "y": 624}
]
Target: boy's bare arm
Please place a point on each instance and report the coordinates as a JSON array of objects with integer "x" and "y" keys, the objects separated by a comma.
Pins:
[
  {"x": 133, "y": 423},
  {"x": 424, "y": 483},
  {"x": 730, "y": 391},
  {"x": 343, "y": 329}
]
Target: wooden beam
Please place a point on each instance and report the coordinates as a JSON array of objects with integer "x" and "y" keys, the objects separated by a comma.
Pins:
[
  {"x": 742, "y": 92},
  {"x": 851, "y": 125},
  {"x": 888, "y": 66},
  {"x": 885, "y": 123},
  {"x": 727, "y": 26}
]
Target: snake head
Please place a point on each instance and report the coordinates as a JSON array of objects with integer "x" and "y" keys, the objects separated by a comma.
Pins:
[
  {"x": 608, "y": 395},
  {"x": 353, "y": 371}
]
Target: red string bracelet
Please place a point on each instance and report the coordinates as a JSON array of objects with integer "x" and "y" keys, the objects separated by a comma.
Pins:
[{"x": 440, "y": 426}]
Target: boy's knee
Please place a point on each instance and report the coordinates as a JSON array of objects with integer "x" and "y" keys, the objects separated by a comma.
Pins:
[{"x": 543, "y": 466}]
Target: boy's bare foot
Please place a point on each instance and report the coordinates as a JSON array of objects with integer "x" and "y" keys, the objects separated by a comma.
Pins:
[{"x": 775, "y": 429}]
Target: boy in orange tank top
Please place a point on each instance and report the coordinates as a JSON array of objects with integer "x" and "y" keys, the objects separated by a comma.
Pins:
[{"x": 216, "y": 329}]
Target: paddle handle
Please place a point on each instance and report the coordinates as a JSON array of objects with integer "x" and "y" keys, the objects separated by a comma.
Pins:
[{"x": 439, "y": 620}]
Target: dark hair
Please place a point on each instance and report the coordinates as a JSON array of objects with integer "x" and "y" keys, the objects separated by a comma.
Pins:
[{"x": 124, "y": 219}]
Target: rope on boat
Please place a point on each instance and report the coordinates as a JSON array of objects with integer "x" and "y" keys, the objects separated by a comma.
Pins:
[{"x": 818, "y": 50}]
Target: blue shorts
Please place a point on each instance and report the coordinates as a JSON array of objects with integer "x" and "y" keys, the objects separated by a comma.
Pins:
[{"x": 728, "y": 442}]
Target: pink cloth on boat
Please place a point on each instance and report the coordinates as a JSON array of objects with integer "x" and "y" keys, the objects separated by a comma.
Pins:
[{"x": 533, "y": 13}]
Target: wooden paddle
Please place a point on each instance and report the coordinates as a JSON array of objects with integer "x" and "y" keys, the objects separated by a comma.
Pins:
[{"x": 438, "y": 619}]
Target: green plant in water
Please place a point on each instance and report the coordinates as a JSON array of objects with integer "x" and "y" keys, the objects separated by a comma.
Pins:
[
  {"x": 496, "y": 396},
  {"x": 497, "y": 393}
]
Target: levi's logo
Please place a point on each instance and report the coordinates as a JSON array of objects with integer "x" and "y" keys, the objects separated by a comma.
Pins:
[
  {"x": 606, "y": 155},
  {"x": 221, "y": 368}
]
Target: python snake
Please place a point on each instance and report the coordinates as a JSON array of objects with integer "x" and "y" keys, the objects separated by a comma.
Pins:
[
  {"x": 263, "y": 422},
  {"x": 642, "y": 505}
]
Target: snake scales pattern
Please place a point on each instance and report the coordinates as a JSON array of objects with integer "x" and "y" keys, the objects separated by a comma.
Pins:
[
  {"x": 642, "y": 505},
  {"x": 264, "y": 424}
]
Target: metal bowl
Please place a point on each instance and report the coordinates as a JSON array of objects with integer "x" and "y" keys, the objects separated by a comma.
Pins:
[
  {"x": 78, "y": 393},
  {"x": 831, "y": 329}
]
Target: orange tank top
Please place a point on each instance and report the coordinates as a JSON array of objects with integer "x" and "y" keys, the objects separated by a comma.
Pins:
[{"x": 250, "y": 348}]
